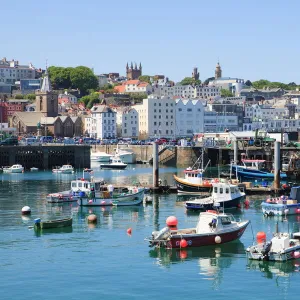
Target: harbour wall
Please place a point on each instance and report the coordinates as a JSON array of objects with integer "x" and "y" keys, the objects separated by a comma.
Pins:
[{"x": 46, "y": 157}]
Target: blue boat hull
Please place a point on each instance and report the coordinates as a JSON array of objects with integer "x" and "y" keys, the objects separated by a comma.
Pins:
[
  {"x": 269, "y": 209},
  {"x": 256, "y": 173}
]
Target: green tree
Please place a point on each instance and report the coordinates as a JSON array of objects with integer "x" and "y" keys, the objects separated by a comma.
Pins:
[
  {"x": 107, "y": 86},
  {"x": 260, "y": 84},
  {"x": 30, "y": 96},
  {"x": 248, "y": 83},
  {"x": 190, "y": 80},
  {"x": 90, "y": 100},
  {"x": 145, "y": 78},
  {"x": 83, "y": 78},
  {"x": 60, "y": 77},
  {"x": 226, "y": 93},
  {"x": 19, "y": 96}
]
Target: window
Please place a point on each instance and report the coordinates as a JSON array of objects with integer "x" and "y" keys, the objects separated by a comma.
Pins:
[
  {"x": 179, "y": 109},
  {"x": 221, "y": 191},
  {"x": 167, "y": 123},
  {"x": 189, "y": 109},
  {"x": 215, "y": 189},
  {"x": 159, "y": 104},
  {"x": 227, "y": 190},
  {"x": 154, "y": 123},
  {"x": 154, "y": 110}
]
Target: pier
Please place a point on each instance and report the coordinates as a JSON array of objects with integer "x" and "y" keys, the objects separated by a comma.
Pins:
[{"x": 47, "y": 156}]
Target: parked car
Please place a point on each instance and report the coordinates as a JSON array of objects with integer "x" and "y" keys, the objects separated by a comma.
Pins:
[{"x": 12, "y": 141}]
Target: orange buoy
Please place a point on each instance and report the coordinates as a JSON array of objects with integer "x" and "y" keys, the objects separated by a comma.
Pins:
[
  {"x": 183, "y": 254},
  {"x": 172, "y": 222},
  {"x": 183, "y": 243},
  {"x": 261, "y": 237},
  {"x": 129, "y": 230}
]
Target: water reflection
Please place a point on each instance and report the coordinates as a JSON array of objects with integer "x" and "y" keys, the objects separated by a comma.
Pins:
[
  {"x": 40, "y": 232},
  {"x": 211, "y": 260}
]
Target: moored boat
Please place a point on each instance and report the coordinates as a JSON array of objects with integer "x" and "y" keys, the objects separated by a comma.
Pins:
[
  {"x": 193, "y": 182},
  {"x": 281, "y": 247},
  {"x": 33, "y": 169},
  {"x": 17, "y": 168},
  {"x": 115, "y": 163},
  {"x": 212, "y": 228},
  {"x": 283, "y": 206},
  {"x": 65, "y": 169},
  {"x": 225, "y": 195},
  {"x": 59, "y": 223},
  {"x": 100, "y": 156}
]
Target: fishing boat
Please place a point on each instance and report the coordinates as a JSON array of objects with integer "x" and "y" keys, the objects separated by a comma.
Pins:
[
  {"x": 115, "y": 163},
  {"x": 224, "y": 195},
  {"x": 283, "y": 205},
  {"x": 100, "y": 156},
  {"x": 109, "y": 197},
  {"x": 17, "y": 168},
  {"x": 59, "y": 223},
  {"x": 193, "y": 181},
  {"x": 212, "y": 228},
  {"x": 80, "y": 186},
  {"x": 281, "y": 247},
  {"x": 253, "y": 168},
  {"x": 65, "y": 169}
]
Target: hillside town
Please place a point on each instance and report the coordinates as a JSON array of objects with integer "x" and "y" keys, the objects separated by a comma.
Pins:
[{"x": 139, "y": 106}]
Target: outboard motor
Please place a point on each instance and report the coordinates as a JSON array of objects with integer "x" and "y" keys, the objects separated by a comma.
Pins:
[
  {"x": 266, "y": 249},
  {"x": 159, "y": 236}
]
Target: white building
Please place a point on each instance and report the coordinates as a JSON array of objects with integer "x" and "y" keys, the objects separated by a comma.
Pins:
[
  {"x": 102, "y": 80},
  {"x": 260, "y": 113},
  {"x": 101, "y": 124},
  {"x": 67, "y": 98},
  {"x": 136, "y": 86},
  {"x": 127, "y": 122},
  {"x": 214, "y": 122},
  {"x": 12, "y": 71},
  {"x": 274, "y": 125},
  {"x": 189, "y": 117},
  {"x": 156, "y": 117},
  {"x": 188, "y": 91},
  {"x": 234, "y": 85}
]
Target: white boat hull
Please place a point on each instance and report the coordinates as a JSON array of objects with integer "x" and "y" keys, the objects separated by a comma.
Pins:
[
  {"x": 98, "y": 157},
  {"x": 21, "y": 170},
  {"x": 128, "y": 158},
  {"x": 123, "y": 200}
]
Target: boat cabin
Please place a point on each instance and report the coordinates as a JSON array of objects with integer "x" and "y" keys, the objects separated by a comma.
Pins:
[
  {"x": 211, "y": 221},
  {"x": 82, "y": 185},
  {"x": 253, "y": 164},
  {"x": 193, "y": 176},
  {"x": 67, "y": 167},
  {"x": 225, "y": 191},
  {"x": 116, "y": 160},
  {"x": 16, "y": 167}
]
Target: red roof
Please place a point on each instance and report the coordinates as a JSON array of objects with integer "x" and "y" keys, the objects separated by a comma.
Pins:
[
  {"x": 132, "y": 82},
  {"x": 120, "y": 88},
  {"x": 143, "y": 84}
]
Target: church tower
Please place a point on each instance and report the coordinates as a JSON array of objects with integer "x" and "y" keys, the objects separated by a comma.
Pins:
[
  {"x": 218, "y": 71},
  {"x": 133, "y": 73},
  {"x": 46, "y": 100},
  {"x": 195, "y": 74}
]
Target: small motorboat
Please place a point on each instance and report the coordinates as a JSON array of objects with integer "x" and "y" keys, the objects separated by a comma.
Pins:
[
  {"x": 115, "y": 163},
  {"x": 33, "y": 169},
  {"x": 224, "y": 195},
  {"x": 284, "y": 205},
  {"x": 38, "y": 224},
  {"x": 281, "y": 247},
  {"x": 14, "y": 169},
  {"x": 100, "y": 156},
  {"x": 212, "y": 228},
  {"x": 65, "y": 169}
]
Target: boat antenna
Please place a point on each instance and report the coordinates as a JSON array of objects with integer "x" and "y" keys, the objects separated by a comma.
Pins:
[{"x": 276, "y": 228}]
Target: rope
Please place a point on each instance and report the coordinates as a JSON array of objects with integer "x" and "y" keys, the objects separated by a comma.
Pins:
[{"x": 252, "y": 230}]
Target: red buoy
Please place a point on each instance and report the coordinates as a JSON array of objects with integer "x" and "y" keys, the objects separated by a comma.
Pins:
[
  {"x": 296, "y": 254},
  {"x": 183, "y": 243},
  {"x": 298, "y": 210},
  {"x": 261, "y": 236},
  {"x": 183, "y": 254},
  {"x": 172, "y": 222},
  {"x": 129, "y": 230},
  {"x": 247, "y": 202}
]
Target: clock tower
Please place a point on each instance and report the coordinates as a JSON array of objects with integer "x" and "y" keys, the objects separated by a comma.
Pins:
[{"x": 46, "y": 100}]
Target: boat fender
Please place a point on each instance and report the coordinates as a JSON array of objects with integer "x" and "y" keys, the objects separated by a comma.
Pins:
[{"x": 60, "y": 196}]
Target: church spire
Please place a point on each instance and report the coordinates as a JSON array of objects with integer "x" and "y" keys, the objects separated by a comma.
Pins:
[
  {"x": 46, "y": 85},
  {"x": 127, "y": 66},
  {"x": 140, "y": 66}
]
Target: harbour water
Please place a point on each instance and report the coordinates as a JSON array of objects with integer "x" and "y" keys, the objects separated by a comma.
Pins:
[{"x": 103, "y": 261}]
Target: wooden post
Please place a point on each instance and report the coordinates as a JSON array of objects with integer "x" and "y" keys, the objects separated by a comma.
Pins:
[{"x": 277, "y": 165}]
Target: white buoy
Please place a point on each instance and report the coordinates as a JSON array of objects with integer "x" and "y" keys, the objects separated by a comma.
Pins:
[
  {"x": 26, "y": 210},
  {"x": 218, "y": 239}
]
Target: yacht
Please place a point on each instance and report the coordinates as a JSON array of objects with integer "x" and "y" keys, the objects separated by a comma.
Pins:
[
  {"x": 100, "y": 156},
  {"x": 65, "y": 169},
  {"x": 14, "y": 169},
  {"x": 126, "y": 155},
  {"x": 115, "y": 163}
]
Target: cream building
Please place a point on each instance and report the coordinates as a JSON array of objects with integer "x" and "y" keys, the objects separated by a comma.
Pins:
[
  {"x": 156, "y": 117},
  {"x": 127, "y": 122}
]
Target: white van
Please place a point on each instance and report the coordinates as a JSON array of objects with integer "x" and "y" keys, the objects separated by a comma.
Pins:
[{"x": 30, "y": 142}]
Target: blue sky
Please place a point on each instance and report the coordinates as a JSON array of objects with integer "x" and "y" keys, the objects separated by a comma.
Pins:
[{"x": 252, "y": 39}]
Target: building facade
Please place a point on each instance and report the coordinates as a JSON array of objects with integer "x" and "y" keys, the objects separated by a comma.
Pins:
[
  {"x": 189, "y": 117},
  {"x": 156, "y": 117},
  {"x": 127, "y": 122},
  {"x": 12, "y": 71},
  {"x": 101, "y": 124},
  {"x": 133, "y": 73}
]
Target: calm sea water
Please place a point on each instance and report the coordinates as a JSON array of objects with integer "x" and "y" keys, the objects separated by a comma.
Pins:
[{"x": 103, "y": 262}]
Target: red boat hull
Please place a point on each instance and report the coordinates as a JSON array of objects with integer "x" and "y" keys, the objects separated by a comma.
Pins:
[{"x": 206, "y": 240}]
